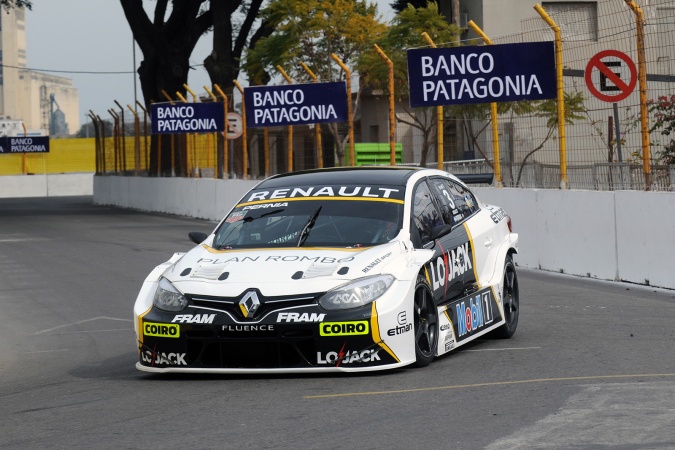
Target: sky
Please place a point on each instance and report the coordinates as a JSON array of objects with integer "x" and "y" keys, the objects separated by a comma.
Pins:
[{"x": 70, "y": 38}]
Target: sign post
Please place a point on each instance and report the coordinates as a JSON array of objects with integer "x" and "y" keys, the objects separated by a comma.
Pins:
[{"x": 604, "y": 80}]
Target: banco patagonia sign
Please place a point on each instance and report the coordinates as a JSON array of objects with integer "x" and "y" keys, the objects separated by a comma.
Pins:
[
  {"x": 296, "y": 104},
  {"x": 483, "y": 74},
  {"x": 179, "y": 118},
  {"x": 28, "y": 144}
]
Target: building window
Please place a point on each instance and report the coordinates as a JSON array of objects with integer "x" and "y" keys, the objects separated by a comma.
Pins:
[
  {"x": 374, "y": 133},
  {"x": 578, "y": 20}
]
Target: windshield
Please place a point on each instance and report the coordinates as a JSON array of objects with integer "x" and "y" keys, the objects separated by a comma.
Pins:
[{"x": 321, "y": 221}]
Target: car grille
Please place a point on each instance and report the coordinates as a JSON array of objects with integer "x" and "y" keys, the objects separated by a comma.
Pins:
[
  {"x": 267, "y": 349},
  {"x": 267, "y": 304}
]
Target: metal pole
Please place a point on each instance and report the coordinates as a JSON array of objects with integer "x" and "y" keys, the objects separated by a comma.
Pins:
[
  {"x": 642, "y": 77},
  {"x": 243, "y": 125},
  {"x": 317, "y": 126},
  {"x": 392, "y": 114},
  {"x": 496, "y": 154},
  {"x": 440, "y": 126},
  {"x": 226, "y": 172},
  {"x": 561, "y": 94},
  {"x": 350, "y": 119},
  {"x": 289, "y": 156}
]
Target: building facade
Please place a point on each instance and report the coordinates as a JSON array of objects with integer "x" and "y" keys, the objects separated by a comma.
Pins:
[{"x": 42, "y": 101}]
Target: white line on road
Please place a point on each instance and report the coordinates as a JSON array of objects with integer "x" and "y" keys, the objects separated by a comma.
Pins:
[{"x": 82, "y": 321}]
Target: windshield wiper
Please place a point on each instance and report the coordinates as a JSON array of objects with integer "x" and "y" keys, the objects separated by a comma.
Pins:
[{"x": 308, "y": 226}]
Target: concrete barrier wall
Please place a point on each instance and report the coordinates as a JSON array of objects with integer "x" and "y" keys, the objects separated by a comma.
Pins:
[
  {"x": 624, "y": 235},
  {"x": 49, "y": 185}
]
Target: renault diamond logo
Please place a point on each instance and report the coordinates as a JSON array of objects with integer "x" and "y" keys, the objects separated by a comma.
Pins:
[{"x": 249, "y": 304}]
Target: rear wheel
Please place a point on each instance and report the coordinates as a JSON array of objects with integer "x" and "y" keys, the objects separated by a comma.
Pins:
[
  {"x": 511, "y": 300},
  {"x": 426, "y": 323}
]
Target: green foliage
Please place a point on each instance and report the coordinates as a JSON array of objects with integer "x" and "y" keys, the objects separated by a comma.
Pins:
[
  {"x": 404, "y": 33},
  {"x": 400, "y": 5},
  {"x": 574, "y": 109},
  {"x": 9, "y": 4},
  {"x": 308, "y": 32},
  {"x": 663, "y": 116}
]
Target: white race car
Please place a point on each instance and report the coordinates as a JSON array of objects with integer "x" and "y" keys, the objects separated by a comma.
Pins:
[{"x": 345, "y": 269}]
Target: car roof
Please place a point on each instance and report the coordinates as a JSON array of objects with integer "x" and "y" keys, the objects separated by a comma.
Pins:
[{"x": 375, "y": 175}]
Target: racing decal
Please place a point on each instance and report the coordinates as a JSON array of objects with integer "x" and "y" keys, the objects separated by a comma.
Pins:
[
  {"x": 474, "y": 313},
  {"x": 275, "y": 258},
  {"x": 161, "y": 330},
  {"x": 473, "y": 254},
  {"x": 496, "y": 214},
  {"x": 333, "y": 192},
  {"x": 375, "y": 331},
  {"x": 403, "y": 325},
  {"x": 450, "y": 265},
  {"x": 196, "y": 318},
  {"x": 238, "y": 330},
  {"x": 266, "y": 205},
  {"x": 236, "y": 216},
  {"x": 170, "y": 359},
  {"x": 348, "y": 356},
  {"x": 298, "y": 317},
  {"x": 446, "y": 341},
  {"x": 140, "y": 325},
  {"x": 344, "y": 328},
  {"x": 375, "y": 262}
]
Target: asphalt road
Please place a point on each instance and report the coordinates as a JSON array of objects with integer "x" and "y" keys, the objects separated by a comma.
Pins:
[{"x": 592, "y": 364}]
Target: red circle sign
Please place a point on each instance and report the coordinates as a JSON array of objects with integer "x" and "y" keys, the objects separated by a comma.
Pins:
[{"x": 607, "y": 73}]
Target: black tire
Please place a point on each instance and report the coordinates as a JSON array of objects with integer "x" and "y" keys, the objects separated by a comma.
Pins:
[
  {"x": 511, "y": 300},
  {"x": 426, "y": 323}
]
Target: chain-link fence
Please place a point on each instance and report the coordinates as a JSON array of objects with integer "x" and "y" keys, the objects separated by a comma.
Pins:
[{"x": 604, "y": 143}]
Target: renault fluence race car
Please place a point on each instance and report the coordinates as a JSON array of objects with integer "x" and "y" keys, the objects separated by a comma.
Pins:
[{"x": 345, "y": 269}]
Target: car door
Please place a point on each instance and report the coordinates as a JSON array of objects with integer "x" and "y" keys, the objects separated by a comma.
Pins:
[{"x": 450, "y": 270}]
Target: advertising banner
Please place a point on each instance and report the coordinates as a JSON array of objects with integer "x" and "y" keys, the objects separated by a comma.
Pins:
[
  {"x": 181, "y": 118},
  {"x": 27, "y": 144},
  {"x": 295, "y": 104},
  {"x": 481, "y": 74}
]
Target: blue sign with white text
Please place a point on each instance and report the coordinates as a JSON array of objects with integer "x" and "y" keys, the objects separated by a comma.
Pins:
[
  {"x": 481, "y": 74},
  {"x": 24, "y": 144},
  {"x": 295, "y": 104},
  {"x": 180, "y": 118}
]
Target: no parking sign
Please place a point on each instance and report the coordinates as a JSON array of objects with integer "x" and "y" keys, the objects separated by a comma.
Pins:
[{"x": 611, "y": 76}]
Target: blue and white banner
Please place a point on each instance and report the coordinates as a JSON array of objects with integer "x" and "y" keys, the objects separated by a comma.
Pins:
[
  {"x": 295, "y": 104},
  {"x": 27, "y": 144},
  {"x": 481, "y": 74},
  {"x": 179, "y": 118}
]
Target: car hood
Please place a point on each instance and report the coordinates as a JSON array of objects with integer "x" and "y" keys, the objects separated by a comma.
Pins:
[{"x": 278, "y": 271}]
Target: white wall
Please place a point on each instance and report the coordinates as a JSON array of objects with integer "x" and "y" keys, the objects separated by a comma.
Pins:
[
  {"x": 50, "y": 185},
  {"x": 624, "y": 235}
]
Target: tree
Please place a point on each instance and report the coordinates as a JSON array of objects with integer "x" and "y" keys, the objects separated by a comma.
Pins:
[
  {"x": 400, "y": 5},
  {"x": 9, "y": 4},
  {"x": 404, "y": 33},
  {"x": 548, "y": 109},
  {"x": 168, "y": 40},
  {"x": 308, "y": 32}
]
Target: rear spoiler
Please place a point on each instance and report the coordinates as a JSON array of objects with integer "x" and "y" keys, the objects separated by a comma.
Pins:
[{"x": 475, "y": 178}]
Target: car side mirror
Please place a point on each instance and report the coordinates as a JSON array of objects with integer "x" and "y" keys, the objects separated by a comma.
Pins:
[
  {"x": 440, "y": 230},
  {"x": 197, "y": 236}
]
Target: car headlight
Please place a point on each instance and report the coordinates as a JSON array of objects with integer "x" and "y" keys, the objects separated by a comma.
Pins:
[
  {"x": 356, "y": 293},
  {"x": 168, "y": 298}
]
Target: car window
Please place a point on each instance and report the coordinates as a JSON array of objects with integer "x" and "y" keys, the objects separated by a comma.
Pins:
[
  {"x": 329, "y": 221},
  {"x": 425, "y": 215},
  {"x": 457, "y": 202}
]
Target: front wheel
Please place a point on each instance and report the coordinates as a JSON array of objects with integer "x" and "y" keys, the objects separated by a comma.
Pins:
[
  {"x": 511, "y": 300},
  {"x": 426, "y": 323}
]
